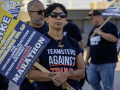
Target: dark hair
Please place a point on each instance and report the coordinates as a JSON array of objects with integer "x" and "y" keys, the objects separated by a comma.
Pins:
[{"x": 51, "y": 7}]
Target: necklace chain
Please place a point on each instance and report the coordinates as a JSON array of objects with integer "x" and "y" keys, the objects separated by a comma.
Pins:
[{"x": 61, "y": 46}]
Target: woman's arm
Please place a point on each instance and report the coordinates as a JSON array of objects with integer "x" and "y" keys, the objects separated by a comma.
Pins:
[
  {"x": 74, "y": 75},
  {"x": 35, "y": 74},
  {"x": 79, "y": 73}
]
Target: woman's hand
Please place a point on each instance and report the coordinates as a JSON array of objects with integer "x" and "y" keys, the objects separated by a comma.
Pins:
[{"x": 59, "y": 78}]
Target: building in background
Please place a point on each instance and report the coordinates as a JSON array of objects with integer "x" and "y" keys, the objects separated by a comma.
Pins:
[
  {"x": 77, "y": 12},
  {"x": 75, "y": 4},
  {"x": 24, "y": 7},
  {"x": 101, "y": 4}
]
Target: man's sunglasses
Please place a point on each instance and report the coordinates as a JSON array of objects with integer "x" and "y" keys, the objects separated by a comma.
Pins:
[
  {"x": 39, "y": 12},
  {"x": 55, "y": 15}
]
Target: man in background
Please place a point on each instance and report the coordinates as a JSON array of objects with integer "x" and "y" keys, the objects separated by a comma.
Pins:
[
  {"x": 36, "y": 12},
  {"x": 72, "y": 30},
  {"x": 101, "y": 48}
]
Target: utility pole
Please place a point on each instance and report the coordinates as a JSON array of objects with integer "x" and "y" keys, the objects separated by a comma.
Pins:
[
  {"x": 70, "y": 4},
  {"x": 49, "y": 2},
  {"x": 95, "y": 5}
]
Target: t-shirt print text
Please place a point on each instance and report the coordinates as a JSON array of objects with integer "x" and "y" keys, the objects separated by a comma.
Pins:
[
  {"x": 94, "y": 40},
  {"x": 61, "y": 60}
]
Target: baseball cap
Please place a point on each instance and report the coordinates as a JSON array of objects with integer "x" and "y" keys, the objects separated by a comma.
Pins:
[{"x": 93, "y": 13}]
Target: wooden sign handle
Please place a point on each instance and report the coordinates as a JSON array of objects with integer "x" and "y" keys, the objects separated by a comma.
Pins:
[
  {"x": 102, "y": 25},
  {"x": 43, "y": 69}
]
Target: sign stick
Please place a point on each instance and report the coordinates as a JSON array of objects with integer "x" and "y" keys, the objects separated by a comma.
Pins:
[
  {"x": 40, "y": 67},
  {"x": 102, "y": 25}
]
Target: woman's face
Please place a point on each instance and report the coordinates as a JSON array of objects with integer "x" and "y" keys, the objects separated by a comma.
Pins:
[{"x": 56, "y": 19}]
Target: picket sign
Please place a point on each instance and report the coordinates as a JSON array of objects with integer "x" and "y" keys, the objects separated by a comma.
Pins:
[{"x": 112, "y": 11}]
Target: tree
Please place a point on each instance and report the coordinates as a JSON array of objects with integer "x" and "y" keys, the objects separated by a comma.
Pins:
[{"x": 49, "y": 1}]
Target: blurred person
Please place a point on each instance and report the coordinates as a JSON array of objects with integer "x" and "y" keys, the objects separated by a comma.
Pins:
[
  {"x": 62, "y": 56},
  {"x": 72, "y": 30},
  {"x": 36, "y": 12},
  {"x": 4, "y": 82},
  {"x": 101, "y": 48}
]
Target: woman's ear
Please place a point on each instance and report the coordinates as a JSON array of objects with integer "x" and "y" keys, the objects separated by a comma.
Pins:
[{"x": 46, "y": 19}]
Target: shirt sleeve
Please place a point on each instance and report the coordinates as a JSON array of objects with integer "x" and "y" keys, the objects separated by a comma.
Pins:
[{"x": 112, "y": 29}]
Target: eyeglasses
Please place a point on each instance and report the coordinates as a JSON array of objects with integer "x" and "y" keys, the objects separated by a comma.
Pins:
[
  {"x": 55, "y": 15},
  {"x": 39, "y": 12}
]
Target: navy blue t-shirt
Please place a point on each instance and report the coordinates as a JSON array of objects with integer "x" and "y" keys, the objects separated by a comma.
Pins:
[
  {"x": 101, "y": 50},
  {"x": 43, "y": 30},
  {"x": 72, "y": 31},
  {"x": 57, "y": 59},
  {"x": 26, "y": 85}
]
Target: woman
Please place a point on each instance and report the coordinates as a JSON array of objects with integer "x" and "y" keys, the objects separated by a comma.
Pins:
[{"x": 62, "y": 56}]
